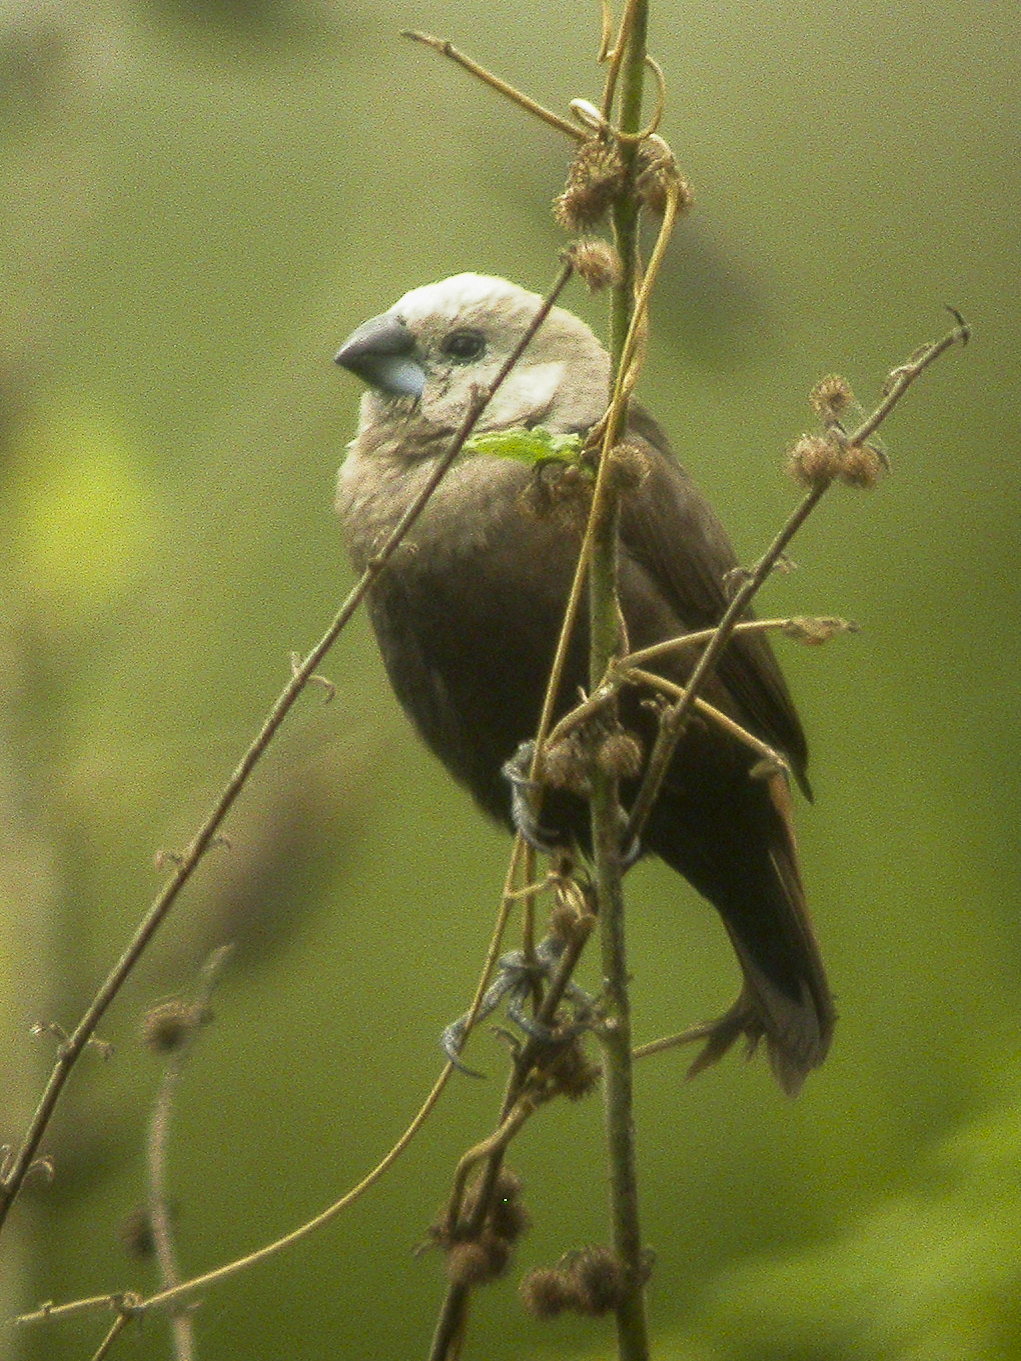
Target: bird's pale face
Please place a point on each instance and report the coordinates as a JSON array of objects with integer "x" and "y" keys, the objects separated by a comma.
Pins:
[{"x": 426, "y": 354}]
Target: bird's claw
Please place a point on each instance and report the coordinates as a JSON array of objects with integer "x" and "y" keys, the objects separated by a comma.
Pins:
[
  {"x": 516, "y": 772},
  {"x": 631, "y": 854},
  {"x": 514, "y": 978},
  {"x": 452, "y": 1039}
]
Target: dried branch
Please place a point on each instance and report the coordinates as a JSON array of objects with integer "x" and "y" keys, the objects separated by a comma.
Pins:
[
  {"x": 672, "y": 723},
  {"x": 185, "y": 865},
  {"x": 447, "y": 49},
  {"x": 176, "y": 1039},
  {"x": 174, "y": 1295}
]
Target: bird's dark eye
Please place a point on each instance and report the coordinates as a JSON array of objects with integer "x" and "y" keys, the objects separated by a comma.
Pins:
[{"x": 464, "y": 346}]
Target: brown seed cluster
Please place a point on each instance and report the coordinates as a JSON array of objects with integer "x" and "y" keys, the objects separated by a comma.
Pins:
[
  {"x": 566, "y": 765},
  {"x": 590, "y": 1281},
  {"x": 560, "y": 493},
  {"x": 594, "y": 183},
  {"x": 597, "y": 178},
  {"x": 569, "y": 1072},
  {"x": 658, "y": 177},
  {"x": 573, "y": 916},
  {"x": 629, "y": 465},
  {"x": 831, "y": 397},
  {"x": 828, "y": 457},
  {"x": 478, "y": 1255},
  {"x": 596, "y": 262},
  {"x": 620, "y": 755}
]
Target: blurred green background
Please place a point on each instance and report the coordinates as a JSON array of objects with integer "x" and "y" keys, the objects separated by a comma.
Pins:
[{"x": 199, "y": 201}]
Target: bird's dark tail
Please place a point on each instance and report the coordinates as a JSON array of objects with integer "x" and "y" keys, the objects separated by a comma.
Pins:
[{"x": 785, "y": 999}]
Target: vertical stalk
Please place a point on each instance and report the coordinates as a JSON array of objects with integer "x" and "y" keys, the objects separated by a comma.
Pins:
[
  {"x": 626, "y": 210},
  {"x": 632, "y": 1333}
]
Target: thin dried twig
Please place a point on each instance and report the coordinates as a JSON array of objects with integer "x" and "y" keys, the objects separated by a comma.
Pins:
[
  {"x": 453, "y": 1313},
  {"x": 116, "y": 1328},
  {"x": 672, "y": 723},
  {"x": 176, "y": 1294},
  {"x": 157, "y": 1146},
  {"x": 763, "y": 750},
  {"x": 447, "y": 49}
]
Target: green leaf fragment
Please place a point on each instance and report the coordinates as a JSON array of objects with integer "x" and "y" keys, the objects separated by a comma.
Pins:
[{"x": 529, "y": 446}]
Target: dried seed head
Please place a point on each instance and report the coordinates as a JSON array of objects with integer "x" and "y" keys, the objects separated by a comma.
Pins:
[
  {"x": 629, "y": 465},
  {"x": 597, "y": 1277},
  {"x": 658, "y": 176},
  {"x": 862, "y": 466},
  {"x": 572, "y": 1073},
  {"x": 594, "y": 181},
  {"x": 831, "y": 397},
  {"x": 566, "y": 766},
  {"x": 543, "y": 1293},
  {"x": 563, "y": 921},
  {"x": 479, "y": 1261},
  {"x": 590, "y": 1281},
  {"x": 620, "y": 755},
  {"x": 596, "y": 262},
  {"x": 508, "y": 1219},
  {"x": 571, "y": 916},
  {"x": 817, "y": 630},
  {"x": 508, "y": 1184},
  {"x": 168, "y": 1025},
  {"x": 560, "y": 493},
  {"x": 814, "y": 459}
]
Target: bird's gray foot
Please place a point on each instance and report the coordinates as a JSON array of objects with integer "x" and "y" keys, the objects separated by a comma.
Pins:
[
  {"x": 523, "y": 790},
  {"x": 514, "y": 981}
]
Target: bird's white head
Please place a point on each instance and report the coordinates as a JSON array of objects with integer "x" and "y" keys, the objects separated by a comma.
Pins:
[{"x": 422, "y": 358}]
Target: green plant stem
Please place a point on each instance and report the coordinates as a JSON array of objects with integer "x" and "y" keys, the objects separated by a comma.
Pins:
[
  {"x": 453, "y": 1316},
  {"x": 626, "y": 209},
  {"x": 632, "y": 1331}
]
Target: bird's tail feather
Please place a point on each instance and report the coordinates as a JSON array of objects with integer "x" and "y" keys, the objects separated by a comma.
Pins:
[{"x": 795, "y": 1016}]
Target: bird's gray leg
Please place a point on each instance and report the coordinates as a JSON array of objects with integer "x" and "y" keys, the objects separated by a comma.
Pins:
[
  {"x": 514, "y": 980},
  {"x": 516, "y": 771}
]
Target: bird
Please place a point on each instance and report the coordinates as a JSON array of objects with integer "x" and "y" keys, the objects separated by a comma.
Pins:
[{"x": 468, "y": 610}]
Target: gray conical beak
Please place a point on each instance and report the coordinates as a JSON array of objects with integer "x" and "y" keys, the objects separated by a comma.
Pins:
[{"x": 382, "y": 353}]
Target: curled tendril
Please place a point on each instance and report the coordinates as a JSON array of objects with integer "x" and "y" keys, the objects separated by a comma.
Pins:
[{"x": 657, "y": 117}]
